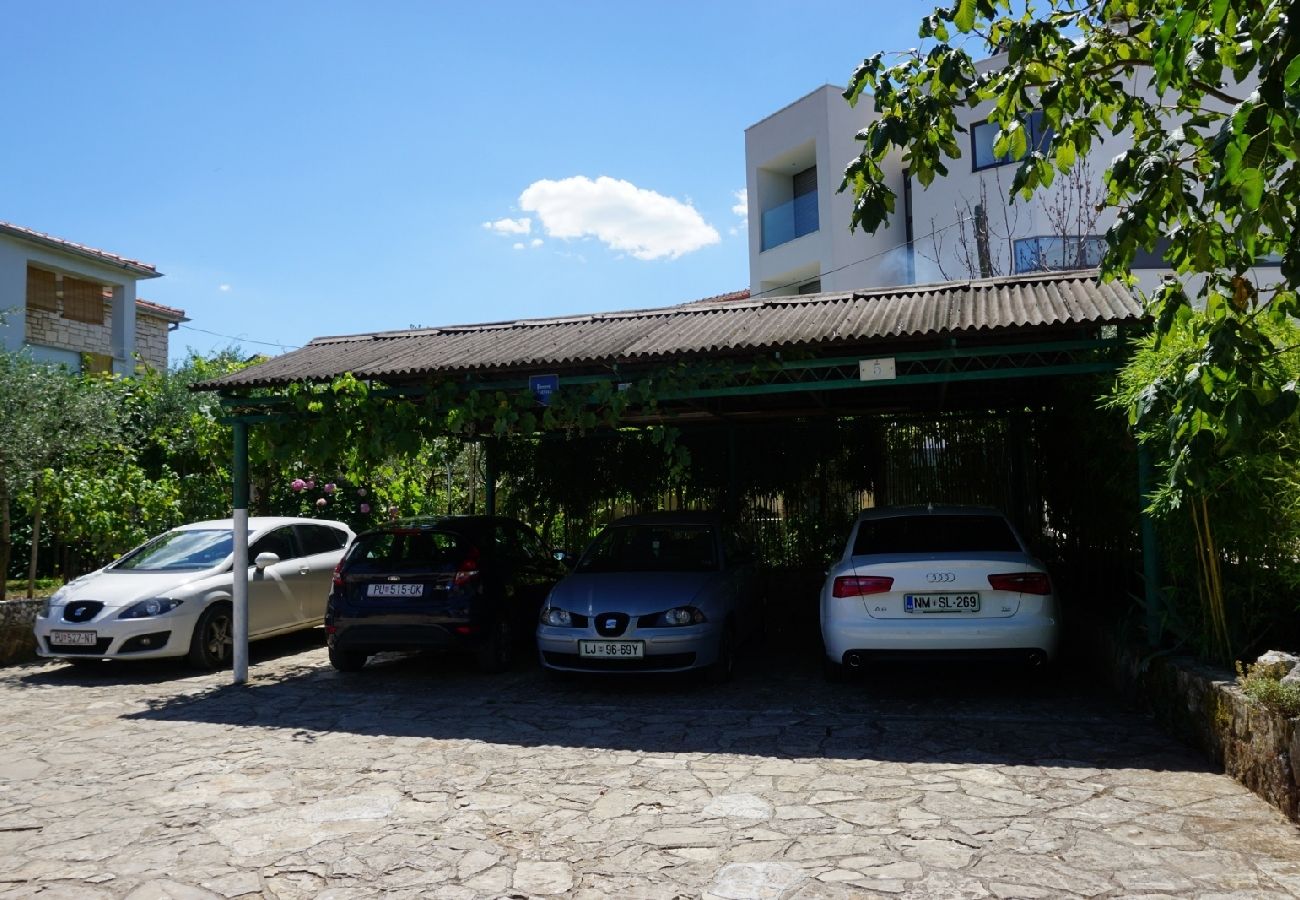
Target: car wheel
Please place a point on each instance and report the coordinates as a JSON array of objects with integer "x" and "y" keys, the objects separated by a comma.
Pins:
[
  {"x": 724, "y": 667},
  {"x": 347, "y": 660},
  {"x": 497, "y": 652},
  {"x": 212, "y": 643}
]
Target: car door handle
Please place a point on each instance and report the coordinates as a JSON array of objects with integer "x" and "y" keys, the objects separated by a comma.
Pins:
[{"x": 304, "y": 571}]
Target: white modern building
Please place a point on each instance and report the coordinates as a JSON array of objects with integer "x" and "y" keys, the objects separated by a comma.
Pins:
[
  {"x": 70, "y": 304},
  {"x": 960, "y": 227}
]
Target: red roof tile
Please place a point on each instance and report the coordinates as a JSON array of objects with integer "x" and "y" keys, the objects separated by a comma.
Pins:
[
  {"x": 163, "y": 312},
  {"x": 145, "y": 270}
]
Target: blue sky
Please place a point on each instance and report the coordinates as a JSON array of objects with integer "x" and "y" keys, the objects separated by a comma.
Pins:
[{"x": 302, "y": 169}]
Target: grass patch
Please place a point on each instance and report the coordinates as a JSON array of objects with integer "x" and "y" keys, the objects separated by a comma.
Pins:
[
  {"x": 1269, "y": 691},
  {"x": 16, "y": 589}
]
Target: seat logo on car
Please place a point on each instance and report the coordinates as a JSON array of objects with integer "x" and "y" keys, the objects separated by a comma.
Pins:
[
  {"x": 611, "y": 624},
  {"x": 940, "y": 577}
]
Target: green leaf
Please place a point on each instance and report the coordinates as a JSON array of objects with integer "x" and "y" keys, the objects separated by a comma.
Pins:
[{"x": 964, "y": 15}]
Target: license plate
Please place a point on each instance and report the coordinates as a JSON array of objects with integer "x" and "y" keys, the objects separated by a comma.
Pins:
[
  {"x": 73, "y": 638},
  {"x": 941, "y": 603},
  {"x": 612, "y": 649},
  {"x": 395, "y": 590}
]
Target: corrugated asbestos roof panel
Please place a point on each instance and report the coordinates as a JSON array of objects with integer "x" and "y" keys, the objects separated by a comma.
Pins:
[{"x": 1064, "y": 299}]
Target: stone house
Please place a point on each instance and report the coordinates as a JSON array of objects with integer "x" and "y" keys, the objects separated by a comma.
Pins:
[{"x": 75, "y": 305}]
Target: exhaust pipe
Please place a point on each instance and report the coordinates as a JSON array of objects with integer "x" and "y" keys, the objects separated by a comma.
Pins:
[{"x": 854, "y": 659}]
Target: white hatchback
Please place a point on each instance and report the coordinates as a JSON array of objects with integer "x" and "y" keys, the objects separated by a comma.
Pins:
[
  {"x": 171, "y": 596},
  {"x": 936, "y": 581}
]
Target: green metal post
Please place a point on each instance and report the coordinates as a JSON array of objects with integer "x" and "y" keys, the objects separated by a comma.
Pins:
[
  {"x": 1150, "y": 549},
  {"x": 239, "y": 564},
  {"x": 490, "y": 476}
]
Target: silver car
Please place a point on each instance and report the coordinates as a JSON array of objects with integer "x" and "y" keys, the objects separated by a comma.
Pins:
[
  {"x": 941, "y": 581},
  {"x": 171, "y": 595},
  {"x": 663, "y": 592}
]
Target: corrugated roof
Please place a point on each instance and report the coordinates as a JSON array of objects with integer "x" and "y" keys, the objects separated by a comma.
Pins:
[
  {"x": 744, "y": 326},
  {"x": 144, "y": 270}
]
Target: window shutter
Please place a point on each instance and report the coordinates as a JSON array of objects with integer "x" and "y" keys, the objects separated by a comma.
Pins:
[
  {"x": 805, "y": 182},
  {"x": 83, "y": 301},
  {"x": 42, "y": 290}
]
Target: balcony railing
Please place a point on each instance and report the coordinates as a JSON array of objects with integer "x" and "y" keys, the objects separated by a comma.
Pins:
[{"x": 790, "y": 220}]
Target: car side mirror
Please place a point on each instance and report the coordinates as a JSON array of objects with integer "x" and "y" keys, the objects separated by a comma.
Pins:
[{"x": 266, "y": 559}]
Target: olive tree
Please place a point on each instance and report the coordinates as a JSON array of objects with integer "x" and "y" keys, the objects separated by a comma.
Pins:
[{"x": 1205, "y": 94}]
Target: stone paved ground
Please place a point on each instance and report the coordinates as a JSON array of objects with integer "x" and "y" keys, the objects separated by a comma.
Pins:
[{"x": 419, "y": 778}]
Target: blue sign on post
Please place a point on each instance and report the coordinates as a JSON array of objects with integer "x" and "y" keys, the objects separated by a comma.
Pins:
[{"x": 543, "y": 386}]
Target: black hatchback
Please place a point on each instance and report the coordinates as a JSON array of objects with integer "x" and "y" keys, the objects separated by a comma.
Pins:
[{"x": 455, "y": 583}]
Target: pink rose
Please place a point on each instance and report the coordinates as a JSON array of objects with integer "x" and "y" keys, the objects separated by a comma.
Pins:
[
  {"x": 310, "y": 483},
  {"x": 297, "y": 485},
  {"x": 365, "y": 508},
  {"x": 320, "y": 503},
  {"x": 361, "y": 492},
  {"x": 329, "y": 488}
]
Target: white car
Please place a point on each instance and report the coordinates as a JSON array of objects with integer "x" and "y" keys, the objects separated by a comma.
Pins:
[
  {"x": 171, "y": 596},
  {"x": 936, "y": 581}
]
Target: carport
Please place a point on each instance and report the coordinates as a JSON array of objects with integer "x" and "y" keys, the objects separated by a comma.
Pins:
[{"x": 943, "y": 392}]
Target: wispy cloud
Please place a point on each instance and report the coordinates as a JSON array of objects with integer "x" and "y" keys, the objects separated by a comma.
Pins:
[
  {"x": 741, "y": 209},
  {"x": 624, "y": 217},
  {"x": 510, "y": 226},
  {"x": 224, "y": 288}
]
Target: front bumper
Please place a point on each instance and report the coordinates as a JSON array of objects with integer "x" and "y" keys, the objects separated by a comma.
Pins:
[
  {"x": 151, "y": 638},
  {"x": 665, "y": 649}
]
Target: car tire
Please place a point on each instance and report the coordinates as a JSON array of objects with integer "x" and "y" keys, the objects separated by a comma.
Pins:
[
  {"x": 212, "y": 644},
  {"x": 347, "y": 660},
  {"x": 724, "y": 667},
  {"x": 497, "y": 652}
]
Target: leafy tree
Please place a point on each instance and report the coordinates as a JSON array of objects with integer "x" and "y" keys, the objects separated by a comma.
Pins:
[
  {"x": 49, "y": 418},
  {"x": 1206, "y": 93}
]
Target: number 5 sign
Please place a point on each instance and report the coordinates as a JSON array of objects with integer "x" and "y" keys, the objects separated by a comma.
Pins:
[{"x": 876, "y": 369}]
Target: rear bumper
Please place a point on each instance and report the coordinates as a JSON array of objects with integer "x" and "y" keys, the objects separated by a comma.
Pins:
[
  {"x": 375, "y": 634},
  {"x": 950, "y": 638}
]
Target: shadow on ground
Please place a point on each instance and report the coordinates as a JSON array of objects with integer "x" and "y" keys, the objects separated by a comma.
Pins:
[{"x": 778, "y": 706}]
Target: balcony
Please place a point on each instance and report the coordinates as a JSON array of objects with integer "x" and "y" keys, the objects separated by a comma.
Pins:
[{"x": 790, "y": 220}]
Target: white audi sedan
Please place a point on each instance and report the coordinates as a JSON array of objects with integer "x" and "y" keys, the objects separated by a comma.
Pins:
[
  {"x": 940, "y": 582},
  {"x": 171, "y": 596}
]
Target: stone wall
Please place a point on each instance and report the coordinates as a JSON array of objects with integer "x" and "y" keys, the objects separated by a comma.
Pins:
[
  {"x": 50, "y": 329},
  {"x": 1204, "y": 707},
  {"x": 16, "y": 620}
]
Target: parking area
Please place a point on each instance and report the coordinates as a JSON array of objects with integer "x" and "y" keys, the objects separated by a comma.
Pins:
[{"x": 419, "y": 777}]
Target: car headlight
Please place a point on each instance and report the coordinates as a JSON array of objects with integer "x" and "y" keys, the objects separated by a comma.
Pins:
[
  {"x": 154, "y": 606},
  {"x": 560, "y": 618},
  {"x": 682, "y": 615},
  {"x": 53, "y": 600}
]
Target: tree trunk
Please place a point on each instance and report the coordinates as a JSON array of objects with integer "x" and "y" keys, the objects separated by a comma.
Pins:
[
  {"x": 36, "y": 544},
  {"x": 6, "y": 541}
]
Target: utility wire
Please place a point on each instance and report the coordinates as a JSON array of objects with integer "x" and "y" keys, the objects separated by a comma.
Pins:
[{"x": 242, "y": 340}]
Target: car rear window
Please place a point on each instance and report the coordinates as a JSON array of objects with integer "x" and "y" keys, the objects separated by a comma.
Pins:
[
  {"x": 406, "y": 549},
  {"x": 652, "y": 548},
  {"x": 935, "y": 534}
]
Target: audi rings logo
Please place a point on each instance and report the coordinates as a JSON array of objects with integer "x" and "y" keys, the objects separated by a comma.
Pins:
[{"x": 940, "y": 577}]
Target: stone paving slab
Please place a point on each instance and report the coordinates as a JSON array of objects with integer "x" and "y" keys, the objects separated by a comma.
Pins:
[{"x": 419, "y": 778}]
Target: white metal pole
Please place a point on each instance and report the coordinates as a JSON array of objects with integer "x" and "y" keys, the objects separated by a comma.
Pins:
[{"x": 239, "y": 565}]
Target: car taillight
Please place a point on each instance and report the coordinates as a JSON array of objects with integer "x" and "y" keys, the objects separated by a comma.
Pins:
[
  {"x": 338, "y": 575},
  {"x": 467, "y": 571},
  {"x": 860, "y": 585},
  {"x": 1024, "y": 582}
]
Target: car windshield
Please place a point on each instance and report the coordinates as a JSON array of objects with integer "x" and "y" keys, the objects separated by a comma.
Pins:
[
  {"x": 652, "y": 548},
  {"x": 178, "y": 551},
  {"x": 930, "y": 533},
  {"x": 405, "y": 549}
]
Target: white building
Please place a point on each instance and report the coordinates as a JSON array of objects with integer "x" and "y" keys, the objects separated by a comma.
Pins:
[
  {"x": 958, "y": 228},
  {"x": 77, "y": 306}
]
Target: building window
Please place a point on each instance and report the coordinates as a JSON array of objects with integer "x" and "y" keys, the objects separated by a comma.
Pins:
[
  {"x": 1038, "y": 135},
  {"x": 811, "y": 287},
  {"x": 796, "y": 217},
  {"x": 83, "y": 301},
  {"x": 1054, "y": 253},
  {"x": 42, "y": 290}
]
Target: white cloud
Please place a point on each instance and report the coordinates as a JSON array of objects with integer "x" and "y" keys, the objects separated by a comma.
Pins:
[
  {"x": 741, "y": 208},
  {"x": 537, "y": 242},
  {"x": 510, "y": 226},
  {"x": 619, "y": 214},
  {"x": 225, "y": 288}
]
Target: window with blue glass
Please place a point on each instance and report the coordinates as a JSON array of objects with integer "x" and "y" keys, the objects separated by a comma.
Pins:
[
  {"x": 1055, "y": 253},
  {"x": 796, "y": 217},
  {"x": 1038, "y": 135}
]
